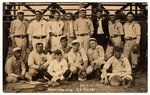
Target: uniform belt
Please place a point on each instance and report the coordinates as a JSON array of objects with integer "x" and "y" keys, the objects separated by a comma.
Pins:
[
  {"x": 115, "y": 36},
  {"x": 39, "y": 37},
  {"x": 82, "y": 34},
  {"x": 131, "y": 38},
  {"x": 56, "y": 35},
  {"x": 20, "y": 36}
]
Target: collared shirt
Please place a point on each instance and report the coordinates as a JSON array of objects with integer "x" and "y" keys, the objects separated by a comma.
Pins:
[
  {"x": 96, "y": 54},
  {"x": 115, "y": 28},
  {"x": 18, "y": 27},
  {"x": 69, "y": 28},
  {"x": 78, "y": 57},
  {"x": 35, "y": 59},
  {"x": 121, "y": 65},
  {"x": 83, "y": 26},
  {"x": 38, "y": 29},
  {"x": 132, "y": 30},
  {"x": 56, "y": 27},
  {"x": 100, "y": 28},
  {"x": 15, "y": 67},
  {"x": 57, "y": 68}
]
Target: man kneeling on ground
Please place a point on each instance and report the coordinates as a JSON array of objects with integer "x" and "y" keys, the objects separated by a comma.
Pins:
[
  {"x": 15, "y": 67},
  {"x": 96, "y": 57},
  {"x": 121, "y": 69},
  {"x": 37, "y": 64},
  {"x": 78, "y": 62}
]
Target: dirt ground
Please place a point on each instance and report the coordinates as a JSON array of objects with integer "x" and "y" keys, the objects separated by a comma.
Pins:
[{"x": 139, "y": 86}]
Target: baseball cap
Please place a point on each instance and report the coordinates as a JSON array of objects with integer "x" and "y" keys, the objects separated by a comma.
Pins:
[
  {"x": 92, "y": 39},
  {"x": 38, "y": 11},
  {"x": 16, "y": 49},
  {"x": 75, "y": 41},
  {"x": 82, "y": 9},
  {"x": 57, "y": 52},
  {"x": 63, "y": 37}
]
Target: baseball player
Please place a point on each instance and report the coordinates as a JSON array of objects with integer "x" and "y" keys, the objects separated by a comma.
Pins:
[
  {"x": 56, "y": 30},
  {"x": 116, "y": 32},
  {"x": 15, "y": 67},
  {"x": 132, "y": 37},
  {"x": 78, "y": 61},
  {"x": 38, "y": 31},
  {"x": 83, "y": 29},
  {"x": 18, "y": 30},
  {"x": 37, "y": 64},
  {"x": 121, "y": 69},
  {"x": 96, "y": 57}
]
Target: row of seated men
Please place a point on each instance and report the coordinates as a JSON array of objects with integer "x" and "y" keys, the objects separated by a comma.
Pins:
[{"x": 70, "y": 62}]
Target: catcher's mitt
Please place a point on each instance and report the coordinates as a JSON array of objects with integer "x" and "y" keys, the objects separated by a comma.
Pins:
[
  {"x": 115, "y": 81},
  {"x": 136, "y": 49},
  {"x": 126, "y": 82},
  {"x": 82, "y": 76}
]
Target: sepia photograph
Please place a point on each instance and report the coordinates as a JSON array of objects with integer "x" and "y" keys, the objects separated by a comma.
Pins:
[{"x": 75, "y": 47}]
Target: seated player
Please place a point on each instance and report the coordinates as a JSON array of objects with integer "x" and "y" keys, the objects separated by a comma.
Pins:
[
  {"x": 96, "y": 57},
  {"x": 121, "y": 69},
  {"x": 15, "y": 67},
  {"x": 78, "y": 62},
  {"x": 37, "y": 64},
  {"x": 58, "y": 70}
]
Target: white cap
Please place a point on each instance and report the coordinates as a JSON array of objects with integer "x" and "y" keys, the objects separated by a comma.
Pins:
[
  {"x": 38, "y": 11},
  {"x": 20, "y": 11},
  {"x": 75, "y": 41},
  {"x": 92, "y": 39},
  {"x": 82, "y": 9},
  {"x": 16, "y": 49}
]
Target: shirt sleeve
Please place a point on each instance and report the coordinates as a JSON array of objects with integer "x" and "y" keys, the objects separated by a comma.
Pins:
[
  {"x": 29, "y": 31},
  {"x": 120, "y": 26},
  {"x": 62, "y": 23},
  {"x": 127, "y": 66},
  {"x": 8, "y": 68},
  {"x": 84, "y": 55},
  {"x": 12, "y": 29},
  {"x": 23, "y": 68},
  {"x": 47, "y": 30},
  {"x": 91, "y": 27},
  {"x": 76, "y": 25},
  {"x": 138, "y": 33},
  {"x": 51, "y": 68},
  {"x": 89, "y": 55},
  {"x": 31, "y": 61},
  {"x": 101, "y": 53},
  {"x": 70, "y": 59},
  {"x": 65, "y": 65},
  {"x": 108, "y": 63}
]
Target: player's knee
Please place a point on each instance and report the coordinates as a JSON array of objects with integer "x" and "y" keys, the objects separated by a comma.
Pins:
[
  {"x": 11, "y": 79},
  {"x": 73, "y": 69},
  {"x": 89, "y": 69},
  {"x": 115, "y": 81},
  {"x": 32, "y": 72}
]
